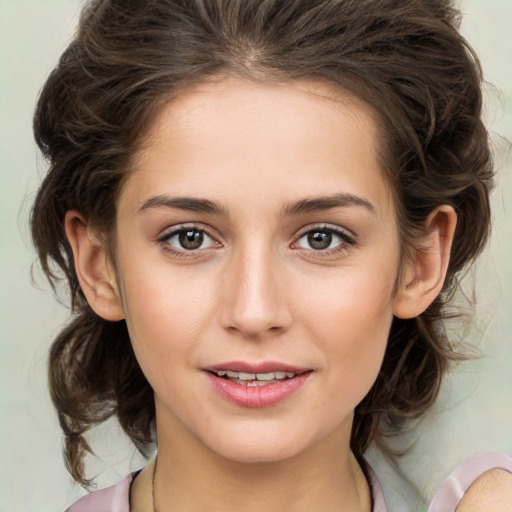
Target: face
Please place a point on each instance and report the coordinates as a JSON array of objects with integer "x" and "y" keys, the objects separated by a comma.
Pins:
[{"x": 256, "y": 258}]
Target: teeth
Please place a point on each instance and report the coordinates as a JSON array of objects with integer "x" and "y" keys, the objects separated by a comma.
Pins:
[
  {"x": 266, "y": 376},
  {"x": 255, "y": 376},
  {"x": 246, "y": 376}
]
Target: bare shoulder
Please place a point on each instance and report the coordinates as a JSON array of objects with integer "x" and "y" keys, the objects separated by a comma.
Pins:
[{"x": 491, "y": 491}]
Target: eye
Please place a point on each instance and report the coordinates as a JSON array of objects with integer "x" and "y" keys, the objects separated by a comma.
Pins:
[
  {"x": 188, "y": 239},
  {"x": 324, "y": 239}
]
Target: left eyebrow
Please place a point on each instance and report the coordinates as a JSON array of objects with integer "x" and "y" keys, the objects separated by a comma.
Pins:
[
  {"x": 321, "y": 203},
  {"x": 190, "y": 204}
]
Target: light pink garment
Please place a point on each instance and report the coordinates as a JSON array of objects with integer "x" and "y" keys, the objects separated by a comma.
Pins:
[
  {"x": 112, "y": 499},
  {"x": 117, "y": 497},
  {"x": 379, "y": 505},
  {"x": 450, "y": 493}
]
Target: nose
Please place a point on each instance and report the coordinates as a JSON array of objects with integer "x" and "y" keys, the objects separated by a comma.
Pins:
[{"x": 255, "y": 302}]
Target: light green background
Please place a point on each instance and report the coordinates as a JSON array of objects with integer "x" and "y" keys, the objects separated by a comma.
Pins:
[{"x": 473, "y": 414}]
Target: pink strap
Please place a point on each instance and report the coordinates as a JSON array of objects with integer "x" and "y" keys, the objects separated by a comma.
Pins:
[
  {"x": 451, "y": 492},
  {"x": 379, "y": 505}
]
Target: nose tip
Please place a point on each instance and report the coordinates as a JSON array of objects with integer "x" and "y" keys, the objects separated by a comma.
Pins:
[
  {"x": 255, "y": 303},
  {"x": 253, "y": 328}
]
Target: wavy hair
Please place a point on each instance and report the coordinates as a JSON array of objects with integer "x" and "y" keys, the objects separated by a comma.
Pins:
[{"x": 403, "y": 58}]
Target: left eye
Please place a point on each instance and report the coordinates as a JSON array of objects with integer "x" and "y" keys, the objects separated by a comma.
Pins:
[
  {"x": 189, "y": 239},
  {"x": 322, "y": 239}
]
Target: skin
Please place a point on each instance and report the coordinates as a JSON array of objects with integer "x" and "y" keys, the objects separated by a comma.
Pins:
[
  {"x": 257, "y": 290},
  {"x": 491, "y": 491}
]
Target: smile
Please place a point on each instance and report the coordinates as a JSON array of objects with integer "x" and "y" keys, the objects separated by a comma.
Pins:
[
  {"x": 254, "y": 379},
  {"x": 256, "y": 386}
]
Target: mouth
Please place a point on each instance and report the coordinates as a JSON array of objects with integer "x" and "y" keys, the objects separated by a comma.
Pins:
[
  {"x": 256, "y": 385},
  {"x": 255, "y": 379}
]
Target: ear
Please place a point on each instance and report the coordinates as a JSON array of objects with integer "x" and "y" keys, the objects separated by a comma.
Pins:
[
  {"x": 425, "y": 272},
  {"x": 93, "y": 268}
]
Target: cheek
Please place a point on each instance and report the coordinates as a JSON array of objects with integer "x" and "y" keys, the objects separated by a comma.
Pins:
[
  {"x": 352, "y": 304},
  {"x": 351, "y": 326},
  {"x": 166, "y": 313}
]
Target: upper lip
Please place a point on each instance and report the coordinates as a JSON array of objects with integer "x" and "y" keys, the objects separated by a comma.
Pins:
[{"x": 262, "y": 367}]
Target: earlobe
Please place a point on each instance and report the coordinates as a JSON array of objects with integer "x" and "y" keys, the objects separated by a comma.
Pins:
[
  {"x": 93, "y": 269},
  {"x": 425, "y": 272}
]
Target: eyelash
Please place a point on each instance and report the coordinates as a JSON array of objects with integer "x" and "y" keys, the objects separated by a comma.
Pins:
[
  {"x": 165, "y": 239},
  {"x": 346, "y": 240}
]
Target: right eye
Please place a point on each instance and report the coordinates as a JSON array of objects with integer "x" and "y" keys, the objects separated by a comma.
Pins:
[{"x": 187, "y": 239}]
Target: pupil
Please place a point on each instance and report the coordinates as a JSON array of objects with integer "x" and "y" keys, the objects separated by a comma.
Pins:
[
  {"x": 192, "y": 239},
  {"x": 320, "y": 240}
]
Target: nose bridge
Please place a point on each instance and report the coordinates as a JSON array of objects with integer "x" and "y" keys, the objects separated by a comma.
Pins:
[{"x": 254, "y": 301}]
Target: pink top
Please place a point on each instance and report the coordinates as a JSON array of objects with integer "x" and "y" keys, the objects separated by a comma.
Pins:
[{"x": 117, "y": 497}]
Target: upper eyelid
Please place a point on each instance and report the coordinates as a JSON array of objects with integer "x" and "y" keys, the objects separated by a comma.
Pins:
[
  {"x": 327, "y": 227},
  {"x": 173, "y": 230}
]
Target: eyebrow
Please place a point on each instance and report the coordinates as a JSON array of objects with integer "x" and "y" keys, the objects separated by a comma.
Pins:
[
  {"x": 307, "y": 205},
  {"x": 190, "y": 204},
  {"x": 315, "y": 204}
]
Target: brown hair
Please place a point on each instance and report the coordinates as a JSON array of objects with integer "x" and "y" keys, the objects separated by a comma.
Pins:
[{"x": 404, "y": 58}]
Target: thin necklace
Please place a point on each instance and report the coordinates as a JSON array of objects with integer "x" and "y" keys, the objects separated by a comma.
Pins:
[{"x": 153, "y": 485}]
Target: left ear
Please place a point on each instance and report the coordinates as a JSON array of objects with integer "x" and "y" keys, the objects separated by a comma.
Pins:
[{"x": 425, "y": 272}]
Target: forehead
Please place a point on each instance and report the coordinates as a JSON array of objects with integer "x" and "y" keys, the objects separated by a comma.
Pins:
[
  {"x": 301, "y": 138},
  {"x": 202, "y": 110}
]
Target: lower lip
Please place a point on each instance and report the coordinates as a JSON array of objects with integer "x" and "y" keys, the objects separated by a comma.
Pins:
[{"x": 256, "y": 396}]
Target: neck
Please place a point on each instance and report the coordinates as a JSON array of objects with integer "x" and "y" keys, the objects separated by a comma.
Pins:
[{"x": 326, "y": 478}]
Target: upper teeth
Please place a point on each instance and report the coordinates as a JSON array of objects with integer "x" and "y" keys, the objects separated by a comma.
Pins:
[{"x": 255, "y": 376}]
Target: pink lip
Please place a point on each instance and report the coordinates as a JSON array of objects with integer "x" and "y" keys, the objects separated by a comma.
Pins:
[
  {"x": 256, "y": 396},
  {"x": 263, "y": 367}
]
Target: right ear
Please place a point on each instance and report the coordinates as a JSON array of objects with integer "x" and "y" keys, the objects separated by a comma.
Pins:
[{"x": 93, "y": 268}]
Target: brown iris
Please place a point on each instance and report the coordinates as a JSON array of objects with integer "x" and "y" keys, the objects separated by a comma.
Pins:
[
  {"x": 319, "y": 239},
  {"x": 191, "y": 239}
]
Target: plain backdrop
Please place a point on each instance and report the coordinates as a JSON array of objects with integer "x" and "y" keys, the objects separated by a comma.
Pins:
[{"x": 473, "y": 414}]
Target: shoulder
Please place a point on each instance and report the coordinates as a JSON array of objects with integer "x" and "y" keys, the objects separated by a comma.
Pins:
[
  {"x": 480, "y": 484},
  {"x": 490, "y": 491},
  {"x": 111, "y": 499}
]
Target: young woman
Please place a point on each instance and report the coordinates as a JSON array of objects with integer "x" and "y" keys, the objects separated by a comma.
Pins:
[{"x": 261, "y": 208}]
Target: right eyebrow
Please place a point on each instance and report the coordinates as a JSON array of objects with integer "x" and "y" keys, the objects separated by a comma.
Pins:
[{"x": 190, "y": 204}]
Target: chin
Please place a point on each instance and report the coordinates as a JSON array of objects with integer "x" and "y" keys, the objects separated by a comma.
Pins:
[
  {"x": 259, "y": 454},
  {"x": 262, "y": 445}
]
